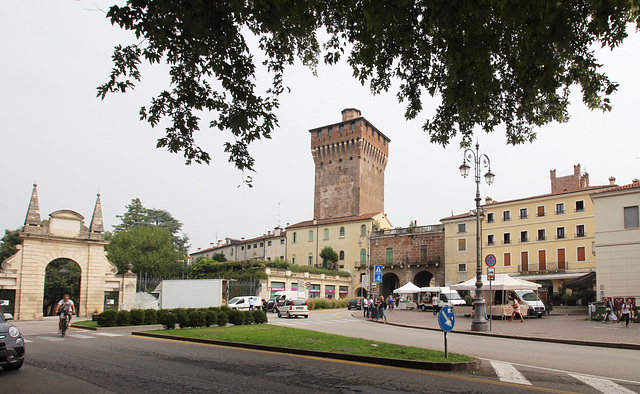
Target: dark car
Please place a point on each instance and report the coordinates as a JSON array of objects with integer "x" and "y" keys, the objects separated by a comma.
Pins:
[
  {"x": 11, "y": 346},
  {"x": 273, "y": 303},
  {"x": 355, "y": 303}
]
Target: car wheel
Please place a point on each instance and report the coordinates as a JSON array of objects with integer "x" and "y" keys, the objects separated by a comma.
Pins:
[
  {"x": 306, "y": 316},
  {"x": 13, "y": 367},
  {"x": 424, "y": 308},
  {"x": 348, "y": 308},
  {"x": 288, "y": 315}
]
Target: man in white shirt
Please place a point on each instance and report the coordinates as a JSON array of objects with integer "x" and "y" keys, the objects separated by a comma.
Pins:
[
  {"x": 65, "y": 307},
  {"x": 365, "y": 307}
]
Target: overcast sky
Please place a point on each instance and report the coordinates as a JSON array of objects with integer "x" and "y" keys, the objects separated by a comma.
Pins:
[{"x": 57, "y": 133}]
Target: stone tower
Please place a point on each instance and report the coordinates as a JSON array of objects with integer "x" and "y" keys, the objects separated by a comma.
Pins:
[{"x": 350, "y": 159}]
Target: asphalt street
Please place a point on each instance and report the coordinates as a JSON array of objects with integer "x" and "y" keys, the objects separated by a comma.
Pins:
[{"x": 114, "y": 361}]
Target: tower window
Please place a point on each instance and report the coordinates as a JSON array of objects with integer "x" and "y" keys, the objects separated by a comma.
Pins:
[
  {"x": 330, "y": 131},
  {"x": 353, "y": 126},
  {"x": 319, "y": 134},
  {"x": 326, "y": 234},
  {"x": 363, "y": 230},
  {"x": 341, "y": 232},
  {"x": 341, "y": 128},
  {"x": 310, "y": 235}
]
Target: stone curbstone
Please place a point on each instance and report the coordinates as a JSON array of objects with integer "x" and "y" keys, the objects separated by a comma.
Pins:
[{"x": 469, "y": 366}]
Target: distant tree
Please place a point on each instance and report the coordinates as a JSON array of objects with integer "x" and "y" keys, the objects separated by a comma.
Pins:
[
  {"x": 329, "y": 257},
  {"x": 8, "y": 244},
  {"x": 162, "y": 218},
  {"x": 219, "y": 257},
  {"x": 135, "y": 216},
  {"x": 149, "y": 249}
]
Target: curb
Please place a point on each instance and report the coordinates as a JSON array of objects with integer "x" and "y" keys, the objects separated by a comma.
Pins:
[
  {"x": 629, "y": 346},
  {"x": 152, "y": 326},
  {"x": 469, "y": 366}
]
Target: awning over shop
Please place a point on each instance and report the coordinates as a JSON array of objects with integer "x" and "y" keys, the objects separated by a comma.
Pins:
[
  {"x": 585, "y": 280},
  {"x": 502, "y": 282},
  {"x": 566, "y": 275},
  {"x": 408, "y": 288}
]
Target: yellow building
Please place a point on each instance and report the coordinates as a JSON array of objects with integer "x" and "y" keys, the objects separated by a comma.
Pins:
[
  {"x": 547, "y": 238},
  {"x": 347, "y": 236},
  {"x": 459, "y": 248}
]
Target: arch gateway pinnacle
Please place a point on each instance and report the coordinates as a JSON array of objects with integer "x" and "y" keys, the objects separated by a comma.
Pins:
[{"x": 63, "y": 235}]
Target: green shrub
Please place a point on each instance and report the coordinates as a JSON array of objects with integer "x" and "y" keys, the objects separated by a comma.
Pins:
[
  {"x": 137, "y": 317},
  {"x": 259, "y": 317},
  {"x": 235, "y": 317},
  {"x": 324, "y": 303},
  {"x": 225, "y": 308},
  {"x": 248, "y": 317},
  {"x": 211, "y": 317},
  {"x": 107, "y": 318},
  {"x": 168, "y": 320},
  {"x": 223, "y": 318},
  {"x": 160, "y": 314},
  {"x": 196, "y": 318},
  {"x": 150, "y": 316},
  {"x": 123, "y": 318},
  {"x": 183, "y": 317}
]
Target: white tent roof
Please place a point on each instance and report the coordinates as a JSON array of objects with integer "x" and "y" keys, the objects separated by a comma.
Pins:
[
  {"x": 408, "y": 288},
  {"x": 502, "y": 282}
]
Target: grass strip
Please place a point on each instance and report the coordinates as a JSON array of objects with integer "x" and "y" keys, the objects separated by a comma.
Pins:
[
  {"x": 86, "y": 323},
  {"x": 266, "y": 334}
]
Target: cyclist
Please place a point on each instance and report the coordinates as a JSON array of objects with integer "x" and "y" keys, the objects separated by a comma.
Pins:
[{"x": 66, "y": 307}]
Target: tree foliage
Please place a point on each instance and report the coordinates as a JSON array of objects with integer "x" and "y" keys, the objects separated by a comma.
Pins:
[
  {"x": 148, "y": 248},
  {"x": 219, "y": 257},
  {"x": 8, "y": 244},
  {"x": 490, "y": 62},
  {"x": 328, "y": 255},
  {"x": 62, "y": 276}
]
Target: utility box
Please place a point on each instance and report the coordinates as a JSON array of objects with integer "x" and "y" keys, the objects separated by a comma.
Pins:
[{"x": 190, "y": 293}]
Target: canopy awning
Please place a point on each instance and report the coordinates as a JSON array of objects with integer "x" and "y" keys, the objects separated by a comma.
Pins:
[
  {"x": 408, "y": 288},
  {"x": 585, "y": 280},
  {"x": 563, "y": 275},
  {"x": 502, "y": 282}
]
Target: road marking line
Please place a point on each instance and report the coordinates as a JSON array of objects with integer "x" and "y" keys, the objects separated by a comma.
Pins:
[
  {"x": 81, "y": 336},
  {"x": 108, "y": 334},
  {"x": 602, "y": 385},
  {"x": 508, "y": 373},
  {"x": 52, "y": 338},
  {"x": 28, "y": 341}
]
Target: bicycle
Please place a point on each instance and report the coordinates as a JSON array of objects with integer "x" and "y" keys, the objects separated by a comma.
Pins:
[{"x": 64, "y": 324}]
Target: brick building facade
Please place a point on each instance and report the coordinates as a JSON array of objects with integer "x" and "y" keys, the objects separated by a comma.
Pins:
[
  {"x": 350, "y": 159},
  {"x": 413, "y": 254}
]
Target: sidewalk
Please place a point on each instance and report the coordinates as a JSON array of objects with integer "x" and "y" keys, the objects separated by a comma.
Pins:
[{"x": 563, "y": 329}]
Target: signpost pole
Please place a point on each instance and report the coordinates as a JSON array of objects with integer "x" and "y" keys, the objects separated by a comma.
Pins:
[
  {"x": 446, "y": 348},
  {"x": 490, "y": 305}
]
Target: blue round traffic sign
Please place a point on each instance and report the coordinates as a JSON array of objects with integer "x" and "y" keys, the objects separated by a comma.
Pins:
[
  {"x": 490, "y": 260},
  {"x": 446, "y": 319}
]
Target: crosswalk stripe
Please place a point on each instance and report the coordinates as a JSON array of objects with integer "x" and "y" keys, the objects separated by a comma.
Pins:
[
  {"x": 602, "y": 385},
  {"x": 508, "y": 373},
  {"x": 108, "y": 334},
  {"x": 82, "y": 336},
  {"x": 53, "y": 339}
]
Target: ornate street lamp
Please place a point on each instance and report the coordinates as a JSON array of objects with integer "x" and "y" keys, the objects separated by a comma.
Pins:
[
  {"x": 368, "y": 265},
  {"x": 479, "y": 161}
]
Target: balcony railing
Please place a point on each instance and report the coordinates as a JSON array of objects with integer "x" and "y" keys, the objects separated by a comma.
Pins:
[
  {"x": 545, "y": 267},
  {"x": 582, "y": 234}
]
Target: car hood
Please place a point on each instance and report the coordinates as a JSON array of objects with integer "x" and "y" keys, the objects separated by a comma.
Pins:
[{"x": 4, "y": 327}]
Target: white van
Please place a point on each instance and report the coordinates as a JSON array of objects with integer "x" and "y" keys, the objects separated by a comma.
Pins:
[
  {"x": 243, "y": 303},
  {"x": 535, "y": 306},
  {"x": 446, "y": 297}
]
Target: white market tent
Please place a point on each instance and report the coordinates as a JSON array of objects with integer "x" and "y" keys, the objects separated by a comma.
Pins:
[
  {"x": 408, "y": 288},
  {"x": 502, "y": 282}
]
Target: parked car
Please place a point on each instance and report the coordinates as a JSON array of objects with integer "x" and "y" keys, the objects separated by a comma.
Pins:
[
  {"x": 243, "y": 304},
  {"x": 294, "y": 308},
  {"x": 11, "y": 345},
  {"x": 355, "y": 303},
  {"x": 273, "y": 304}
]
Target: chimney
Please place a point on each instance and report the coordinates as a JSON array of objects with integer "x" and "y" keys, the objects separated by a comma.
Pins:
[
  {"x": 488, "y": 200},
  {"x": 198, "y": 249},
  {"x": 576, "y": 169},
  {"x": 553, "y": 174},
  {"x": 635, "y": 181},
  {"x": 612, "y": 181},
  {"x": 350, "y": 113},
  {"x": 211, "y": 244}
]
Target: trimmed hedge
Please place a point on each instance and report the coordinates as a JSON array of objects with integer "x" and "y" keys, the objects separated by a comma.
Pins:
[
  {"x": 324, "y": 303},
  {"x": 192, "y": 317}
]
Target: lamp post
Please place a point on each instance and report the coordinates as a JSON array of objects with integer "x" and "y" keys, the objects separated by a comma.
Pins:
[{"x": 479, "y": 323}]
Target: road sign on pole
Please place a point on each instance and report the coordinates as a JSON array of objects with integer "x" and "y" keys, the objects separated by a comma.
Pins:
[
  {"x": 365, "y": 281},
  {"x": 377, "y": 274},
  {"x": 490, "y": 260},
  {"x": 446, "y": 320},
  {"x": 491, "y": 274}
]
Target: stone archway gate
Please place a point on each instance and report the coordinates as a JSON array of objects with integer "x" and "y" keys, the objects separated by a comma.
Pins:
[{"x": 64, "y": 235}]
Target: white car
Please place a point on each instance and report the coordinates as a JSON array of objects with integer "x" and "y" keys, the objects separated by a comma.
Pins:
[{"x": 294, "y": 308}]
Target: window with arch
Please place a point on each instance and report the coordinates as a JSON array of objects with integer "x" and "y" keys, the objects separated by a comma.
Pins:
[
  {"x": 341, "y": 255},
  {"x": 295, "y": 237},
  {"x": 363, "y": 257},
  {"x": 326, "y": 234},
  {"x": 363, "y": 230},
  {"x": 293, "y": 259},
  {"x": 341, "y": 232},
  {"x": 310, "y": 235},
  {"x": 310, "y": 259}
]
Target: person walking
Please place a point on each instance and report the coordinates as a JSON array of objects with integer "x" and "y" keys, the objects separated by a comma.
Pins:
[
  {"x": 625, "y": 309},
  {"x": 608, "y": 310},
  {"x": 390, "y": 302},
  {"x": 516, "y": 310},
  {"x": 434, "y": 303},
  {"x": 382, "y": 305},
  {"x": 365, "y": 307}
]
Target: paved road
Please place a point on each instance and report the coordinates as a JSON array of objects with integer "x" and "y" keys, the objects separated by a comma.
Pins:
[
  {"x": 612, "y": 370},
  {"x": 113, "y": 361}
]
